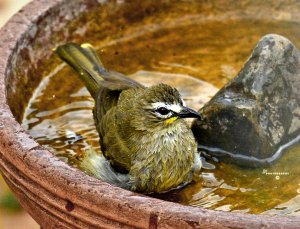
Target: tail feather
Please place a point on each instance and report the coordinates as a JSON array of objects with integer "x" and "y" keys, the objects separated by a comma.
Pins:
[
  {"x": 91, "y": 54},
  {"x": 84, "y": 60},
  {"x": 98, "y": 166}
]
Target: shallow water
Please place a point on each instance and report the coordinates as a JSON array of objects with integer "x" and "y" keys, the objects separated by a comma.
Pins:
[{"x": 59, "y": 115}]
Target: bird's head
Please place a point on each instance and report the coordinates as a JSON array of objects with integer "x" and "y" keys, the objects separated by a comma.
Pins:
[
  {"x": 158, "y": 106},
  {"x": 163, "y": 103}
]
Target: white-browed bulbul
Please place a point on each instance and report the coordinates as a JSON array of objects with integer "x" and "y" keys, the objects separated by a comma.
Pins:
[{"x": 142, "y": 130}]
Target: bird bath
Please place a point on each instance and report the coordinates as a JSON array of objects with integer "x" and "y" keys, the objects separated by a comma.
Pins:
[{"x": 57, "y": 194}]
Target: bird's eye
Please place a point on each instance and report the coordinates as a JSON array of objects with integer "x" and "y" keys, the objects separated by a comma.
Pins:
[{"x": 163, "y": 111}]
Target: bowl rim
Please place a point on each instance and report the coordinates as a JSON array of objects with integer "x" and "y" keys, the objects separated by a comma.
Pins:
[{"x": 68, "y": 193}]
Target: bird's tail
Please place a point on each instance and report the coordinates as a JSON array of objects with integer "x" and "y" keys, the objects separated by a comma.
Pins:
[
  {"x": 84, "y": 60},
  {"x": 98, "y": 166}
]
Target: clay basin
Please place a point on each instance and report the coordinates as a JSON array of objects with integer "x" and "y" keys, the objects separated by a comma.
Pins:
[{"x": 57, "y": 195}]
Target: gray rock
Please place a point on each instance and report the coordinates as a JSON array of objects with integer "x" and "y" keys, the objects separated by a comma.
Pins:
[{"x": 255, "y": 117}]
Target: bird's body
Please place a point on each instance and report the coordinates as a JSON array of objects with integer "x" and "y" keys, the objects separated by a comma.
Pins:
[
  {"x": 153, "y": 155},
  {"x": 141, "y": 129}
]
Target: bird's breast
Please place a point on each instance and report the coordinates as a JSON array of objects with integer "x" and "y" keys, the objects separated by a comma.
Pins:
[{"x": 165, "y": 159}]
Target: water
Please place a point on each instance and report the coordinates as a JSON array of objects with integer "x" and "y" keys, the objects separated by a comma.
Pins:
[{"x": 59, "y": 115}]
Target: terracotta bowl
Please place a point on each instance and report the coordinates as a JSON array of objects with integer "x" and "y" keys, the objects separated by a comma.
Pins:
[{"x": 59, "y": 196}]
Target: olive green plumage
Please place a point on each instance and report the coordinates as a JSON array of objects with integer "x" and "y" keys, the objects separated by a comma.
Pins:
[{"x": 142, "y": 130}]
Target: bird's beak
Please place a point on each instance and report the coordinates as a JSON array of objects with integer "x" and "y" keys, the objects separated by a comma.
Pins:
[{"x": 188, "y": 113}]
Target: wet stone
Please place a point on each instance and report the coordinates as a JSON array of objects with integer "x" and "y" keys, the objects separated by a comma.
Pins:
[{"x": 255, "y": 116}]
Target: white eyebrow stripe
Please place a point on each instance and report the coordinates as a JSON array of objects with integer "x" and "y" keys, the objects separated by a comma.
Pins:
[
  {"x": 183, "y": 103},
  {"x": 173, "y": 107}
]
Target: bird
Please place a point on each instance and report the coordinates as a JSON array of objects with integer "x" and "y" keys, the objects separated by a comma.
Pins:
[{"x": 147, "y": 145}]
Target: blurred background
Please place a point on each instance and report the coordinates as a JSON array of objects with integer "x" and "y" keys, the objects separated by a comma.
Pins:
[{"x": 12, "y": 216}]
